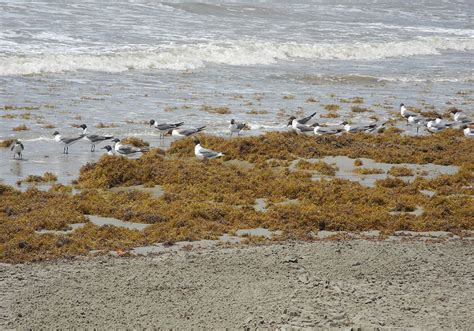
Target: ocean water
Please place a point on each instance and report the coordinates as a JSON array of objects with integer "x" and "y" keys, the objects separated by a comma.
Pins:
[{"x": 126, "y": 62}]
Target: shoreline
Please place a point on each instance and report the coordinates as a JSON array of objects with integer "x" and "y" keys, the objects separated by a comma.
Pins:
[{"x": 339, "y": 284}]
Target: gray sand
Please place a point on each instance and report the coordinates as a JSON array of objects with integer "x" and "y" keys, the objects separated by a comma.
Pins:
[{"x": 367, "y": 284}]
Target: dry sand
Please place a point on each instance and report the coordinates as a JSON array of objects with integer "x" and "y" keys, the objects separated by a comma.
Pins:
[{"x": 366, "y": 284}]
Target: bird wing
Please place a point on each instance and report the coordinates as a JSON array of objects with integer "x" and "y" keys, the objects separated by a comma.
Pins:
[
  {"x": 306, "y": 119},
  {"x": 188, "y": 132},
  {"x": 165, "y": 126},
  {"x": 68, "y": 140},
  {"x": 304, "y": 128},
  {"x": 208, "y": 153},
  {"x": 96, "y": 137},
  {"x": 240, "y": 126},
  {"x": 127, "y": 149}
]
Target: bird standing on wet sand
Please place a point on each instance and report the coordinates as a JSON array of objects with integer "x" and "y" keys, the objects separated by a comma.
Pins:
[
  {"x": 93, "y": 139},
  {"x": 235, "y": 127},
  {"x": 127, "y": 149},
  {"x": 405, "y": 112},
  {"x": 299, "y": 125},
  {"x": 416, "y": 120},
  {"x": 17, "y": 149},
  {"x": 203, "y": 153},
  {"x": 66, "y": 141},
  {"x": 164, "y": 128}
]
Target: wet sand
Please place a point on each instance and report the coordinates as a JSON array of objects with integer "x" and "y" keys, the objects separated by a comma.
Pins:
[{"x": 341, "y": 284}]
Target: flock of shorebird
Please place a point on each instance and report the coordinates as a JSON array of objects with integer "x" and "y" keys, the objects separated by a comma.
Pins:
[{"x": 300, "y": 126}]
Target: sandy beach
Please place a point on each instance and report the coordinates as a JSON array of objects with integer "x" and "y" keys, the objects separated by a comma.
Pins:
[{"x": 358, "y": 285}]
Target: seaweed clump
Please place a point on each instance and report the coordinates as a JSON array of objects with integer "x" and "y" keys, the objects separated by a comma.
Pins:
[
  {"x": 134, "y": 141},
  {"x": 21, "y": 127},
  {"x": 319, "y": 166},
  {"x": 400, "y": 172},
  {"x": 7, "y": 143},
  {"x": 45, "y": 178}
]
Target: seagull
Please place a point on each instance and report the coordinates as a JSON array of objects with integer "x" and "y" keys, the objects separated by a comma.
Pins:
[
  {"x": 468, "y": 132},
  {"x": 236, "y": 127},
  {"x": 435, "y": 126},
  {"x": 164, "y": 128},
  {"x": 300, "y": 127},
  {"x": 325, "y": 130},
  {"x": 109, "y": 149},
  {"x": 127, "y": 149},
  {"x": 460, "y": 117},
  {"x": 440, "y": 121},
  {"x": 306, "y": 119},
  {"x": 67, "y": 141},
  {"x": 416, "y": 120},
  {"x": 17, "y": 149},
  {"x": 405, "y": 112},
  {"x": 202, "y": 153},
  {"x": 93, "y": 139},
  {"x": 361, "y": 128},
  {"x": 186, "y": 132}
]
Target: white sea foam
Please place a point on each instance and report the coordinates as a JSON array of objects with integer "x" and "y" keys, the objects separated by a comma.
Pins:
[{"x": 193, "y": 56}]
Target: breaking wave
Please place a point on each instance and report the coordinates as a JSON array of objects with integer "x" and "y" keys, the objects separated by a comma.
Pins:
[{"x": 237, "y": 53}]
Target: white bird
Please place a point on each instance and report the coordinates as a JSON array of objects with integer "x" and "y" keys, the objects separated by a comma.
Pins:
[
  {"x": 165, "y": 128},
  {"x": 109, "y": 149},
  {"x": 93, "y": 139},
  {"x": 186, "y": 132},
  {"x": 460, "y": 117},
  {"x": 405, "y": 112},
  {"x": 66, "y": 141},
  {"x": 127, "y": 149},
  {"x": 361, "y": 128},
  {"x": 416, "y": 120},
  {"x": 468, "y": 132},
  {"x": 235, "y": 127},
  {"x": 203, "y": 153},
  {"x": 326, "y": 130},
  {"x": 299, "y": 127},
  {"x": 17, "y": 149}
]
